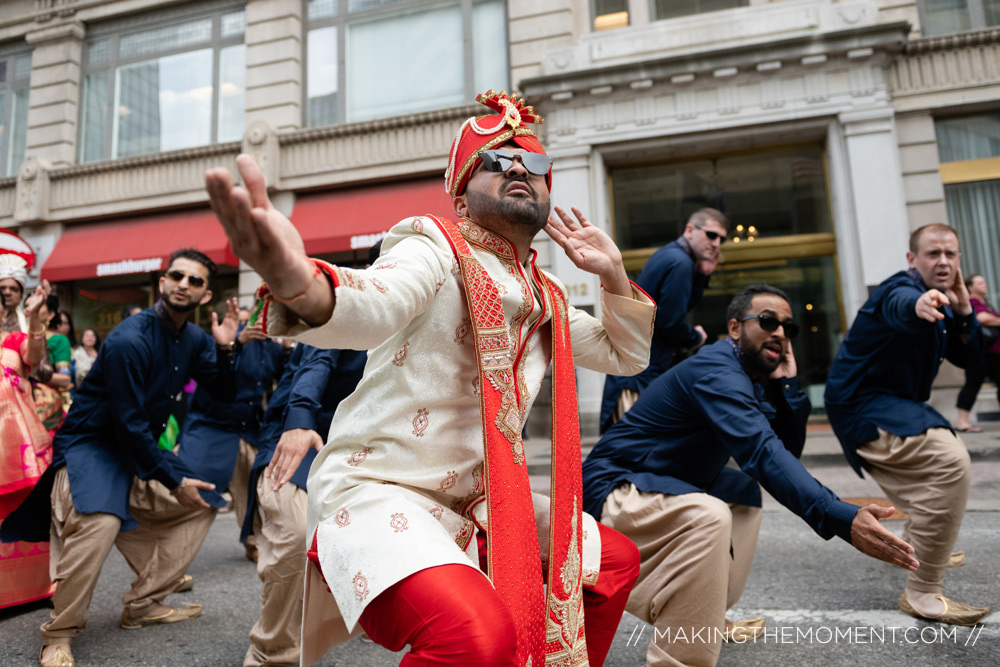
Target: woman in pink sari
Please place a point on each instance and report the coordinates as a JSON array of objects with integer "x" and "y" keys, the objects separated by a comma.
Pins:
[{"x": 25, "y": 453}]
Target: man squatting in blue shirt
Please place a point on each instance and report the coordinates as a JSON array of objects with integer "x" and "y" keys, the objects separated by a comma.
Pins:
[
  {"x": 110, "y": 484},
  {"x": 659, "y": 476},
  {"x": 675, "y": 277},
  {"x": 876, "y": 397}
]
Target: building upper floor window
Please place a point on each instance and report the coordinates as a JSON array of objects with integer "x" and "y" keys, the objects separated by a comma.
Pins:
[
  {"x": 164, "y": 84},
  {"x": 671, "y": 9},
  {"x": 941, "y": 17},
  {"x": 609, "y": 14},
  {"x": 15, "y": 75},
  {"x": 370, "y": 59}
]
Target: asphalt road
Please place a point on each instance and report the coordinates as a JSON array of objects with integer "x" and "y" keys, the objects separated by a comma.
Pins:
[{"x": 826, "y": 604}]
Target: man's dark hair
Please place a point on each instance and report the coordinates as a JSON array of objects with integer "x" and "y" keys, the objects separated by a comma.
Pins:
[
  {"x": 703, "y": 215},
  {"x": 971, "y": 279},
  {"x": 742, "y": 302},
  {"x": 933, "y": 227},
  {"x": 52, "y": 305},
  {"x": 195, "y": 256}
]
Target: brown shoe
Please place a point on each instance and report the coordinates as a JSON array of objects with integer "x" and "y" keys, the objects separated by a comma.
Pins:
[
  {"x": 955, "y": 613},
  {"x": 186, "y": 584},
  {"x": 175, "y": 615},
  {"x": 956, "y": 559},
  {"x": 60, "y": 656},
  {"x": 251, "y": 552},
  {"x": 746, "y": 630}
]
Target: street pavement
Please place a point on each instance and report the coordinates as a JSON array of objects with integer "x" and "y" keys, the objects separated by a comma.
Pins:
[{"x": 825, "y": 603}]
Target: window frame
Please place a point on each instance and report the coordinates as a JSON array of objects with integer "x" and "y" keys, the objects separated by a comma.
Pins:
[
  {"x": 343, "y": 18},
  {"x": 977, "y": 18},
  {"x": 116, "y": 29},
  {"x": 11, "y": 53},
  {"x": 653, "y": 16}
]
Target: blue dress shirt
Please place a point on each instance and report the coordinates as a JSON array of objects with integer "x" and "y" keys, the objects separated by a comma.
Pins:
[
  {"x": 686, "y": 425},
  {"x": 119, "y": 411},
  {"x": 669, "y": 278},
  {"x": 314, "y": 383},
  {"x": 883, "y": 372}
]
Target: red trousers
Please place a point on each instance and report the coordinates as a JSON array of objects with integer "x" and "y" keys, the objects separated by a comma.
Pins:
[{"x": 450, "y": 615}]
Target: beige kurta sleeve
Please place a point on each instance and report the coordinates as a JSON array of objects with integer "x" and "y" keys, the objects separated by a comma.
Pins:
[
  {"x": 374, "y": 303},
  {"x": 619, "y": 342}
]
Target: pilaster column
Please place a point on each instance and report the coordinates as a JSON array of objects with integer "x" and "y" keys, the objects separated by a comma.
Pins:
[
  {"x": 55, "y": 91},
  {"x": 274, "y": 76}
]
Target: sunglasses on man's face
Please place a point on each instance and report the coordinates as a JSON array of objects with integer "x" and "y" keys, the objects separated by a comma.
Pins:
[
  {"x": 770, "y": 324},
  {"x": 194, "y": 280},
  {"x": 500, "y": 161},
  {"x": 711, "y": 236}
]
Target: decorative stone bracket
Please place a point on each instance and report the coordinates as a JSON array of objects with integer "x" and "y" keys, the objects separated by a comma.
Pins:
[
  {"x": 261, "y": 141},
  {"x": 32, "y": 196}
]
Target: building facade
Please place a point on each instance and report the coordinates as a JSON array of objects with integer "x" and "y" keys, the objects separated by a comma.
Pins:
[{"x": 826, "y": 129}]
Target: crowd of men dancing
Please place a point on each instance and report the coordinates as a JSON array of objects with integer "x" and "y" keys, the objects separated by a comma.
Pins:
[{"x": 393, "y": 425}]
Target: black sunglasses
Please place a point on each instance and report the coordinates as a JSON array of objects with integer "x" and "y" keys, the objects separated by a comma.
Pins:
[
  {"x": 500, "y": 161},
  {"x": 770, "y": 324},
  {"x": 713, "y": 235},
  {"x": 193, "y": 279}
]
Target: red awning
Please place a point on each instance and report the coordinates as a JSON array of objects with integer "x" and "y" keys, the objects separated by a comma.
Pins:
[
  {"x": 355, "y": 218},
  {"x": 135, "y": 245}
]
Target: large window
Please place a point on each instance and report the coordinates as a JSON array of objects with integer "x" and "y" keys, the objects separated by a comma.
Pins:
[
  {"x": 671, "y": 9},
  {"x": 163, "y": 86},
  {"x": 781, "y": 234},
  {"x": 15, "y": 75},
  {"x": 941, "y": 17},
  {"x": 969, "y": 149},
  {"x": 609, "y": 14},
  {"x": 370, "y": 59}
]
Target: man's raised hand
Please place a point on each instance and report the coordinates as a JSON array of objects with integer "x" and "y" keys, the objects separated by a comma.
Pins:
[
  {"x": 958, "y": 293},
  {"x": 224, "y": 332},
  {"x": 292, "y": 447},
  {"x": 590, "y": 249}
]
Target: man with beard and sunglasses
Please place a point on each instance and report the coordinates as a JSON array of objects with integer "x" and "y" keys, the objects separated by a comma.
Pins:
[
  {"x": 876, "y": 398},
  {"x": 422, "y": 525},
  {"x": 110, "y": 483},
  {"x": 659, "y": 476},
  {"x": 675, "y": 277}
]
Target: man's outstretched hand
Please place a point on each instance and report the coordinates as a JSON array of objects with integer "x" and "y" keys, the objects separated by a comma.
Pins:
[
  {"x": 873, "y": 539},
  {"x": 590, "y": 249},
  {"x": 266, "y": 240}
]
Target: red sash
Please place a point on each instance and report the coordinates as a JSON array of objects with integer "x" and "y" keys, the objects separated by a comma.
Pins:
[{"x": 549, "y": 631}]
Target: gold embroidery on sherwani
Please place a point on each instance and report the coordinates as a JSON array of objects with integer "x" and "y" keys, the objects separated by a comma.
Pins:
[
  {"x": 564, "y": 628},
  {"x": 420, "y": 422},
  {"x": 349, "y": 278},
  {"x": 463, "y": 330},
  {"x": 360, "y": 586},
  {"x": 398, "y": 522},
  {"x": 379, "y": 285},
  {"x": 343, "y": 518},
  {"x": 357, "y": 458},
  {"x": 449, "y": 481},
  {"x": 400, "y": 356}
]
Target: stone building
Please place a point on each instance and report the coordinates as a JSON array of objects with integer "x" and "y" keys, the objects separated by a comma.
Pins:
[{"x": 827, "y": 129}]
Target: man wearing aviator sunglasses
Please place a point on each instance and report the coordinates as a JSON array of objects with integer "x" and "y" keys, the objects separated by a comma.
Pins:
[
  {"x": 111, "y": 483},
  {"x": 660, "y": 476},
  {"x": 675, "y": 277}
]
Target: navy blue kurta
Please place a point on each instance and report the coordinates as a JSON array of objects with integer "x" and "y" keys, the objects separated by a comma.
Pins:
[
  {"x": 119, "y": 411},
  {"x": 313, "y": 385},
  {"x": 210, "y": 438},
  {"x": 686, "y": 425},
  {"x": 883, "y": 372},
  {"x": 671, "y": 279}
]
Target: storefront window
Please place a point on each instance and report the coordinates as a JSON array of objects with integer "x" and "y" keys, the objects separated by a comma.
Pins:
[
  {"x": 370, "y": 59},
  {"x": 969, "y": 149},
  {"x": 781, "y": 235},
  {"x": 163, "y": 88}
]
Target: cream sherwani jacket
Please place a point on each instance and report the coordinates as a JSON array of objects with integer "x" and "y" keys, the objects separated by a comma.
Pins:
[{"x": 399, "y": 486}]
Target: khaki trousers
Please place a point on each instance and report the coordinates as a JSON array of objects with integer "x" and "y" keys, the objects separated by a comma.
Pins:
[
  {"x": 159, "y": 551},
  {"x": 625, "y": 402},
  {"x": 239, "y": 484},
  {"x": 926, "y": 476},
  {"x": 695, "y": 554},
  {"x": 280, "y": 526}
]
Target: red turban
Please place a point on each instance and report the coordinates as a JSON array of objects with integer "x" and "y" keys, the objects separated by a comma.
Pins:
[{"x": 486, "y": 132}]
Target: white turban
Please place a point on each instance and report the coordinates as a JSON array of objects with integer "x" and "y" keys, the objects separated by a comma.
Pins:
[{"x": 12, "y": 266}]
